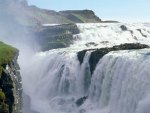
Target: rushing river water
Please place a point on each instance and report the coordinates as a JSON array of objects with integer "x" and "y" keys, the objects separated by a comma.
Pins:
[{"x": 54, "y": 81}]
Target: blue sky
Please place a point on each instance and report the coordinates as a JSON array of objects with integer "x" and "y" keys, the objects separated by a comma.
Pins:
[{"x": 122, "y": 10}]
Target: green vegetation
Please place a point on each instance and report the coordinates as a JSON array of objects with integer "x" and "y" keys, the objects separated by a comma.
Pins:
[
  {"x": 3, "y": 107},
  {"x": 79, "y": 17},
  {"x": 2, "y": 97},
  {"x": 31, "y": 15},
  {"x": 60, "y": 36},
  {"x": 1, "y": 69},
  {"x": 7, "y": 53}
]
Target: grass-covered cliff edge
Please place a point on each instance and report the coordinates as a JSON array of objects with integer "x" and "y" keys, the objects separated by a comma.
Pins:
[
  {"x": 7, "y": 53},
  {"x": 10, "y": 80}
]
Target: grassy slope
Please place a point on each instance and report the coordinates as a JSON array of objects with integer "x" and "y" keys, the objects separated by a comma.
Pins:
[
  {"x": 79, "y": 17},
  {"x": 7, "y": 53}
]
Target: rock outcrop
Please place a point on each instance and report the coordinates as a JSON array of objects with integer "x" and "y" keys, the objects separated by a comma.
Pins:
[
  {"x": 81, "y": 100},
  {"x": 10, "y": 80},
  {"x": 123, "y": 28},
  {"x": 81, "y": 16},
  {"x": 97, "y": 54},
  {"x": 53, "y": 37}
]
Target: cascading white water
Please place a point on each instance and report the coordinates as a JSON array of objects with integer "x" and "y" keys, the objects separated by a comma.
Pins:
[
  {"x": 102, "y": 35},
  {"x": 54, "y": 80},
  {"x": 121, "y": 82}
]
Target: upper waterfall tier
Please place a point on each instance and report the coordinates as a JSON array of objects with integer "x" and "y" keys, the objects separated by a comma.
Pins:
[
  {"x": 107, "y": 35},
  {"x": 88, "y": 35}
]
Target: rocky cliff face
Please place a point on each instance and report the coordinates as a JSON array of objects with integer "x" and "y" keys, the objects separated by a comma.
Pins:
[
  {"x": 10, "y": 81},
  {"x": 53, "y": 37}
]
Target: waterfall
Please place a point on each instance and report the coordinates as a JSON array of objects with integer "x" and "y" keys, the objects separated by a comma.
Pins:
[
  {"x": 56, "y": 82},
  {"x": 120, "y": 83},
  {"x": 107, "y": 35}
]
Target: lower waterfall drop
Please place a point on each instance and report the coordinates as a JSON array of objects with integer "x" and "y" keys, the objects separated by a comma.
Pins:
[
  {"x": 56, "y": 82},
  {"x": 119, "y": 84}
]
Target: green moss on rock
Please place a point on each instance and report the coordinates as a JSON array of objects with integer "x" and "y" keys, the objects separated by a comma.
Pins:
[
  {"x": 7, "y": 53},
  {"x": 81, "y": 16},
  {"x": 53, "y": 37},
  {"x": 7, "y": 56},
  {"x": 4, "y": 108},
  {"x": 2, "y": 97}
]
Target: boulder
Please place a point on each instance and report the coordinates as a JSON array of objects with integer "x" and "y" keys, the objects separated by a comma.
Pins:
[
  {"x": 81, "y": 100},
  {"x": 123, "y": 28}
]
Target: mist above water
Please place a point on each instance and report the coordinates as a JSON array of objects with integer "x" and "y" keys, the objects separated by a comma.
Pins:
[
  {"x": 17, "y": 35},
  {"x": 53, "y": 81}
]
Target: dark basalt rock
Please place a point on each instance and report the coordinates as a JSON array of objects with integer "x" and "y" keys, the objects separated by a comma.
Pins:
[
  {"x": 110, "y": 21},
  {"x": 142, "y": 33},
  {"x": 6, "y": 84},
  {"x": 97, "y": 54},
  {"x": 91, "y": 44},
  {"x": 104, "y": 42},
  {"x": 81, "y": 55},
  {"x": 123, "y": 28},
  {"x": 81, "y": 100}
]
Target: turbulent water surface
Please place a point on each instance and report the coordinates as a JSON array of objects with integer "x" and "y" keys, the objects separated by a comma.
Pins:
[{"x": 55, "y": 82}]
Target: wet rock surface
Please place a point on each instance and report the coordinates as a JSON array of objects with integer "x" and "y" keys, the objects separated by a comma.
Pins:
[{"x": 97, "y": 54}]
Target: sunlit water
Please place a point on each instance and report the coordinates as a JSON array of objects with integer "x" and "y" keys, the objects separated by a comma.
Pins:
[{"x": 55, "y": 80}]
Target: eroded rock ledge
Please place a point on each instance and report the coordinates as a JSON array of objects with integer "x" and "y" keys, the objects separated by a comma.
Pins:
[
  {"x": 53, "y": 37},
  {"x": 10, "y": 80},
  {"x": 97, "y": 54}
]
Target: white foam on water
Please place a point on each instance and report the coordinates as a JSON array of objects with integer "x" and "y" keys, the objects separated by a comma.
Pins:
[{"x": 55, "y": 80}]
